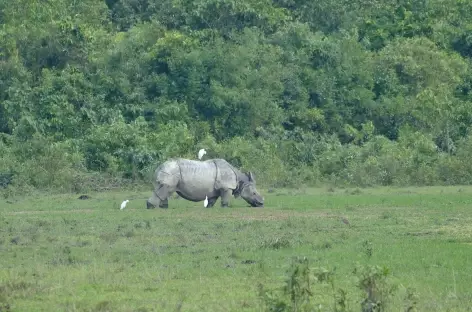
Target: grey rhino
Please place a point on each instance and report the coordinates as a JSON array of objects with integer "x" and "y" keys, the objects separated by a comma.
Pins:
[{"x": 194, "y": 179}]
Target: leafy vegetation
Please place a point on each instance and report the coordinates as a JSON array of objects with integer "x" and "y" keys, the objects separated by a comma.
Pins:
[{"x": 344, "y": 92}]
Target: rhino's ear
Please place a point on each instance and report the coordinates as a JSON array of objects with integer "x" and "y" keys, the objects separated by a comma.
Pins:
[{"x": 250, "y": 176}]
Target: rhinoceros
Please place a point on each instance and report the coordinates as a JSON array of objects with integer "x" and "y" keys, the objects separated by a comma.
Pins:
[{"x": 195, "y": 180}]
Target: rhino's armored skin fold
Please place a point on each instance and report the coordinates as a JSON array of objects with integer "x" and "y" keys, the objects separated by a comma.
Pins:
[{"x": 194, "y": 180}]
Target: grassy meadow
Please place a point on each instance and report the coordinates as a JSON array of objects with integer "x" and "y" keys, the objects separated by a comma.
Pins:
[{"x": 60, "y": 253}]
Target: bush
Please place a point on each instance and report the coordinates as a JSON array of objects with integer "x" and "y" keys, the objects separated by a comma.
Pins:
[
  {"x": 259, "y": 156},
  {"x": 123, "y": 154},
  {"x": 134, "y": 150},
  {"x": 42, "y": 164}
]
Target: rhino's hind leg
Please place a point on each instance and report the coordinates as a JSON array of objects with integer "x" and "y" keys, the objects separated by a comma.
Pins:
[
  {"x": 225, "y": 196},
  {"x": 212, "y": 201}
]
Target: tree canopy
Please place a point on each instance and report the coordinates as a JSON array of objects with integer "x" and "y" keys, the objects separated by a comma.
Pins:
[{"x": 350, "y": 92}]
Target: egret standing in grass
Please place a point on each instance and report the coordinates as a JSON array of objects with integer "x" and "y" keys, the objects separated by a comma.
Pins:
[
  {"x": 123, "y": 204},
  {"x": 205, "y": 202},
  {"x": 201, "y": 153}
]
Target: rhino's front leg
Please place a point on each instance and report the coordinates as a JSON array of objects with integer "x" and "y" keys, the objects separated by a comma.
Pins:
[
  {"x": 159, "y": 197},
  {"x": 153, "y": 201},
  {"x": 225, "y": 196},
  {"x": 164, "y": 203}
]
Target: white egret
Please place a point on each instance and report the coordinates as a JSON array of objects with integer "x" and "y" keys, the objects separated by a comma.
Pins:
[
  {"x": 201, "y": 153},
  {"x": 123, "y": 204},
  {"x": 205, "y": 203}
]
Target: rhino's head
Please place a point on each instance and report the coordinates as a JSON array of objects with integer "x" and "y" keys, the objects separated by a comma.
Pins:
[{"x": 247, "y": 190}]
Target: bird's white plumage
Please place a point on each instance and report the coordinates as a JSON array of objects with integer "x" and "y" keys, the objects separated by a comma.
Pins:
[
  {"x": 201, "y": 153},
  {"x": 205, "y": 202},
  {"x": 123, "y": 204}
]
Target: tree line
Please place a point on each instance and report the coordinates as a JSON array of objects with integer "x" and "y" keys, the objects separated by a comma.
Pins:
[{"x": 359, "y": 92}]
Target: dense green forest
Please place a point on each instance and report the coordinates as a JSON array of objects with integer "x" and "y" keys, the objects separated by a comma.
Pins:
[{"x": 359, "y": 92}]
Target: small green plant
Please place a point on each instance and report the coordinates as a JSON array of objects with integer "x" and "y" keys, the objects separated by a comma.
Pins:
[
  {"x": 4, "y": 306},
  {"x": 340, "y": 301},
  {"x": 368, "y": 248},
  {"x": 298, "y": 284},
  {"x": 323, "y": 275},
  {"x": 411, "y": 300},
  {"x": 373, "y": 281},
  {"x": 297, "y": 294}
]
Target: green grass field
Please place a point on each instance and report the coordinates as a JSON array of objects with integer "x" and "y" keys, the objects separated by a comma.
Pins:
[{"x": 59, "y": 253}]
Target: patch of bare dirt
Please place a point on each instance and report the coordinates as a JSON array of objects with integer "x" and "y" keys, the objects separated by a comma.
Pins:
[
  {"x": 255, "y": 215},
  {"x": 460, "y": 231},
  {"x": 260, "y": 215}
]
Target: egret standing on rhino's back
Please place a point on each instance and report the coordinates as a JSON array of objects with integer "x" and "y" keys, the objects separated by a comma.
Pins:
[
  {"x": 201, "y": 153},
  {"x": 196, "y": 180}
]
